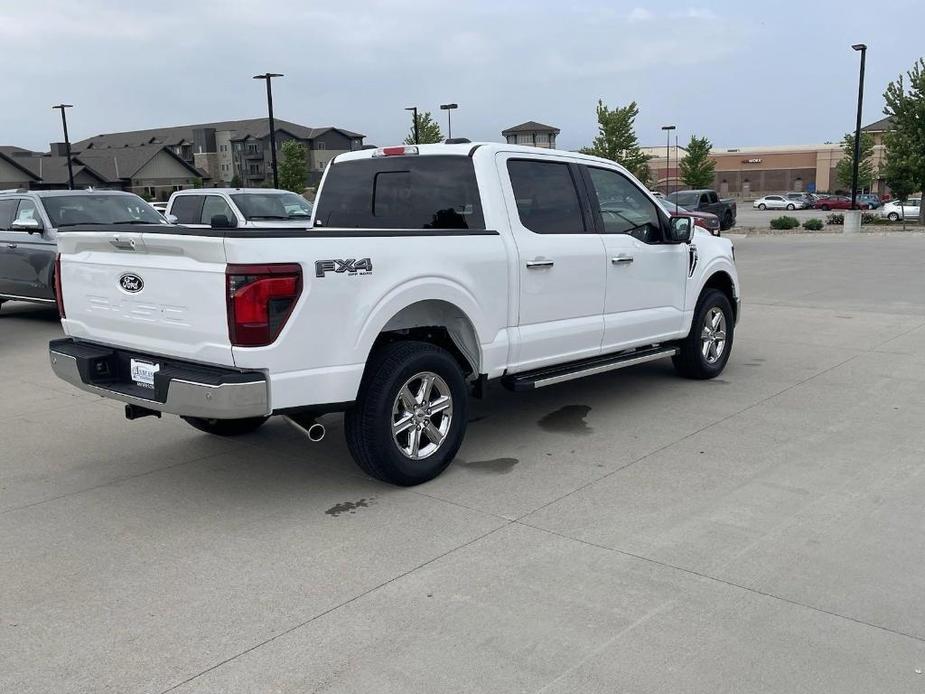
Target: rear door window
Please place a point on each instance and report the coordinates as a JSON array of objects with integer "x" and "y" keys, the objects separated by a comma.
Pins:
[
  {"x": 215, "y": 205},
  {"x": 188, "y": 209},
  {"x": 404, "y": 192},
  {"x": 546, "y": 196}
]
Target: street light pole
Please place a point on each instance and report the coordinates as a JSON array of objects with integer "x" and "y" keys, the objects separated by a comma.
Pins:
[
  {"x": 267, "y": 77},
  {"x": 414, "y": 110},
  {"x": 67, "y": 144},
  {"x": 857, "y": 129},
  {"x": 668, "y": 129},
  {"x": 449, "y": 117}
]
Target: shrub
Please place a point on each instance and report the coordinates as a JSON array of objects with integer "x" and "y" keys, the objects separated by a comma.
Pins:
[
  {"x": 869, "y": 218},
  {"x": 812, "y": 224},
  {"x": 835, "y": 218},
  {"x": 785, "y": 222}
]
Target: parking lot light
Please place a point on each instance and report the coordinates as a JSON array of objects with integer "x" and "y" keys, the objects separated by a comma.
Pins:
[
  {"x": 668, "y": 129},
  {"x": 269, "y": 76},
  {"x": 414, "y": 112},
  {"x": 449, "y": 108},
  {"x": 857, "y": 129},
  {"x": 67, "y": 144}
]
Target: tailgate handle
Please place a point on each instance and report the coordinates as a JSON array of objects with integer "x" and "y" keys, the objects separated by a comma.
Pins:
[{"x": 128, "y": 245}]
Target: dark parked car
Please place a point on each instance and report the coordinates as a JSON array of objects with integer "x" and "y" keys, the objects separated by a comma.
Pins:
[
  {"x": 705, "y": 220},
  {"x": 28, "y": 228},
  {"x": 838, "y": 202},
  {"x": 707, "y": 201}
]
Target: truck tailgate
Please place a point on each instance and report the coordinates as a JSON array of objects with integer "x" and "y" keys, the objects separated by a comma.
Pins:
[{"x": 157, "y": 293}]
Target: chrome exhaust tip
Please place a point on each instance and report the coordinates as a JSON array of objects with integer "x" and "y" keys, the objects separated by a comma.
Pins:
[{"x": 316, "y": 432}]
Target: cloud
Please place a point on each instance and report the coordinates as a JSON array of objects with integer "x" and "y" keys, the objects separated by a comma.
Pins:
[{"x": 640, "y": 14}]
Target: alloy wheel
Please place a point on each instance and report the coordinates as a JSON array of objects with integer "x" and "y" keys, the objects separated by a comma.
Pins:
[
  {"x": 421, "y": 415},
  {"x": 713, "y": 335}
]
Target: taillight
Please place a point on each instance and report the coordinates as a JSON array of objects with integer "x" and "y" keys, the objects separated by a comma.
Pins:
[
  {"x": 260, "y": 300},
  {"x": 59, "y": 297}
]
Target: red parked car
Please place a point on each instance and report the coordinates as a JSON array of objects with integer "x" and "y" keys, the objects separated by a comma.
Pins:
[{"x": 838, "y": 202}]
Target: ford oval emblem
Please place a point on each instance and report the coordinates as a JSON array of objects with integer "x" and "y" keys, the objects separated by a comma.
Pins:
[{"x": 131, "y": 283}]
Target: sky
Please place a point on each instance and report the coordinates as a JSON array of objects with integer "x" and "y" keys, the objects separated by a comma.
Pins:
[{"x": 741, "y": 73}]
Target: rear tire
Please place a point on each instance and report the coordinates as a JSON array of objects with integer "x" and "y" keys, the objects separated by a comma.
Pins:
[
  {"x": 892, "y": 216},
  {"x": 226, "y": 427},
  {"x": 825, "y": 208},
  {"x": 790, "y": 207},
  {"x": 395, "y": 405},
  {"x": 705, "y": 350}
]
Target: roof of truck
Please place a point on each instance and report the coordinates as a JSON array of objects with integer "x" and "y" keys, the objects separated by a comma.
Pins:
[
  {"x": 469, "y": 149},
  {"x": 59, "y": 193}
]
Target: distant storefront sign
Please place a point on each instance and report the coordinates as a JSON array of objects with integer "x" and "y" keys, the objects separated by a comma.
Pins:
[{"x": 751, "y": 161}]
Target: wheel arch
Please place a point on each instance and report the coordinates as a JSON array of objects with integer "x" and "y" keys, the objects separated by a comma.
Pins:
[
  {"x": 438, "y": 321},
  {"x": 721, "y": 280}
]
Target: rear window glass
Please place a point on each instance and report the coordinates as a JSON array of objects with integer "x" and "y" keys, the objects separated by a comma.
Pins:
[
  {"x": 187, "y": 208},
  {"x": 270, "y": 206},
  {"x": 409, "y": 192},
  {"x": 686, "y": 199}
]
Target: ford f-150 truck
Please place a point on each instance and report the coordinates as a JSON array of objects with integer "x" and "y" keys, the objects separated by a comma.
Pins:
[{"x": 427, "y": 271}]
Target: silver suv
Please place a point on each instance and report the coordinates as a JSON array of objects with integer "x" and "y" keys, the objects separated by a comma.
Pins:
[{"x": 29, "y": 221}]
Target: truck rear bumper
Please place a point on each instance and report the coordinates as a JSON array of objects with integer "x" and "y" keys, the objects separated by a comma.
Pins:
[{"x": 179, "y": 387}]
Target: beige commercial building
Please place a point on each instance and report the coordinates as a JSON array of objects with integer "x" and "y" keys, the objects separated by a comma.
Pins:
[{"x": 754, "y": 171}]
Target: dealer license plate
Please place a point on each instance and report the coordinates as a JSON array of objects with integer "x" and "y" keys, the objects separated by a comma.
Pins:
[{"x": 143, "y": 372}]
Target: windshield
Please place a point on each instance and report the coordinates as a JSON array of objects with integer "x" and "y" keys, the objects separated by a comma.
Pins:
[
  {"x": 272, "y": 205},
  {"x": 69, "y": 210},
  {"x": 671, "y": 207}
]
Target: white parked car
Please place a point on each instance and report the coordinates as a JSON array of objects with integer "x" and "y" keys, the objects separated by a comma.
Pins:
[
  {"x": 231, "y": 208},
  {"x": 429, "y": 270},
  {"x": 894, "y": 210},
  {"x": 777, "y": 202}
]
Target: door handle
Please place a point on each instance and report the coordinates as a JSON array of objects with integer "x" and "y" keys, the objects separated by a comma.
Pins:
[
  {"x": 12, "y": 245},
  {"x": 620, "y": 259},
  {"x": 536, "y": 264}
]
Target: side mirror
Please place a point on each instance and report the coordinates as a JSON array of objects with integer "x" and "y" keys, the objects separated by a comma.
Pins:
[
  {"x": 172, "y": 218},
  {"x": 681, "y": 230},
  {"x": 33, "y": 226},
  {"x": 220, "y": 221}
]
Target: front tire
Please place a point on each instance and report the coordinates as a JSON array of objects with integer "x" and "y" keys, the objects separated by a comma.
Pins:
[
  {"x": 825, "y": 208},
  {"x": 705, "y": 350},
  {"x": 226, "y": 427},
  {"x": 762, "y": 207},
  {"x": 410, "y": 416},
  {"x": 727, "y": 222}
]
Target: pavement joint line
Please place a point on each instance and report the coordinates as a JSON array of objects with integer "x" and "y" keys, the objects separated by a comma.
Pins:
[
  {"x": 726, "y": 582},
  {"x": 108, "y": 483},
  {"x": 328, "y": 611},
  {"x": 481, "y": 511},
  {"x": 687, "y": 436}
]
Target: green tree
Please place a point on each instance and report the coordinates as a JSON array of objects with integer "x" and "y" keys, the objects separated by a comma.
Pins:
[
  {"x": 293, "y": 171},
  {"x": 696, "y": 169},
  {"x": 617, "y": 141},
  {"x": 428, "y": 131},
  {"x": 905, "y": 143},
  {"x": 897, "y": 171},
  {"x": 197, "y": 182},
  {"x": 236, "y": 181},
  {"x": 844, "y": 168}
]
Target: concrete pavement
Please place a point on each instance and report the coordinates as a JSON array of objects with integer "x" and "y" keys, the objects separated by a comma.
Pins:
[{"x": 761, "y": 532}]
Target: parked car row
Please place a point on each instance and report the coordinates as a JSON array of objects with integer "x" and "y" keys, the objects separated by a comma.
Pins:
[
  {"x": 30, "y": 221},
  {"x": 803, "y": 201}
]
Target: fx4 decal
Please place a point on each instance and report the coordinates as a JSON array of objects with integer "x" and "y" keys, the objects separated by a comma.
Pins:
[{"x": 351, "y": 266}]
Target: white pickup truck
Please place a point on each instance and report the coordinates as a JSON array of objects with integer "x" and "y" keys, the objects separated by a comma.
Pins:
[{"x": 427, "y": 272}]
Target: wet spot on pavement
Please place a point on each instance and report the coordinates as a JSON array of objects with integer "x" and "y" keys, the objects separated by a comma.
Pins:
[
  {"x": 349, "y": 507},
  {"x": 569, "y": 420},
  {"x": 498, "y": 466}
]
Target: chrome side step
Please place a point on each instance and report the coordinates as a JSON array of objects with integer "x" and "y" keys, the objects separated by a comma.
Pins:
[{"x": 539, "y": 378}]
